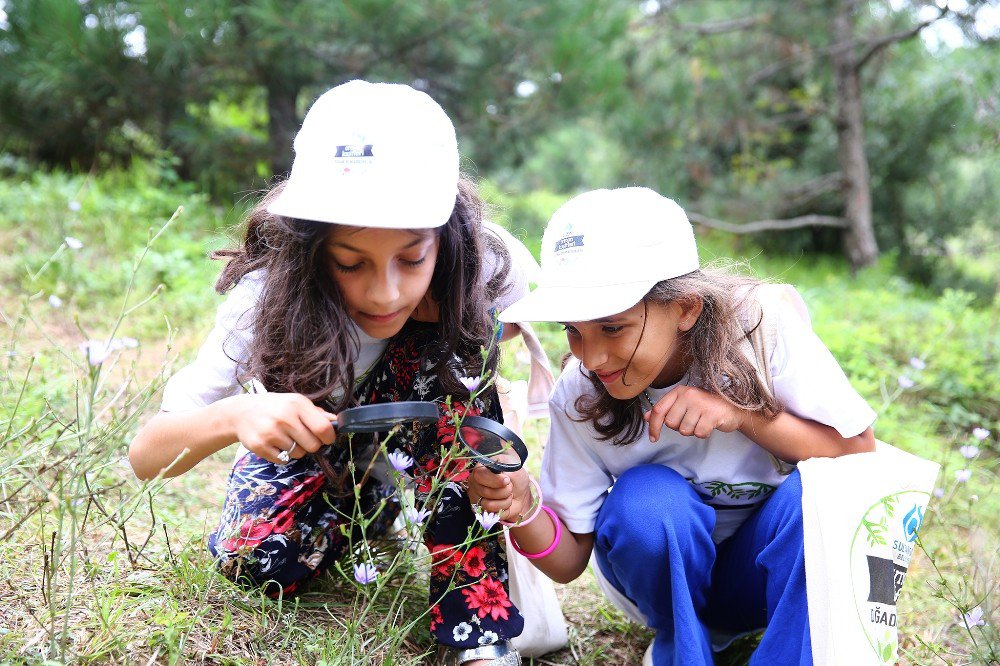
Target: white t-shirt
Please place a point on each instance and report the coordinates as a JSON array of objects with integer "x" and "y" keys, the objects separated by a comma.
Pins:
[
  {"x": 216, "y": 371},
  {"x": 729, "y": 470}
]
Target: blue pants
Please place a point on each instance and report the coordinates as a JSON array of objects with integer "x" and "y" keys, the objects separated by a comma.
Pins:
[{"x": 653, "y": 542}]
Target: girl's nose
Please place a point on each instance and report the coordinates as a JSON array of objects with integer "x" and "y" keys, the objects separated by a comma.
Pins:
[
  {"x": 384, "y": 287},
  {"x": 593, "y": 355}
]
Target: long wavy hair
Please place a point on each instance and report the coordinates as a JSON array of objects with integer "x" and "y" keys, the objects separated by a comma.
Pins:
[
  {"x": 713, "y": 344},
  {"x": 303, "y": 340}
]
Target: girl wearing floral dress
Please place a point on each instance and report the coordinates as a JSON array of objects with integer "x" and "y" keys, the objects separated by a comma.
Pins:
[{"x": 367, "y": 277}]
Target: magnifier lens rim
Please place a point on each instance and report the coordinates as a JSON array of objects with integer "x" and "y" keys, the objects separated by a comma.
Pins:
[
  {"x": 504, "y": 433},
  {"x": 382, "y": 417}
]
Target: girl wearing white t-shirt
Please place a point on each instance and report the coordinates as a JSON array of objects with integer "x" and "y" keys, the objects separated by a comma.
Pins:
[
  {"x": 675, "y": 431},
  {"x": 367, "y": 277}
]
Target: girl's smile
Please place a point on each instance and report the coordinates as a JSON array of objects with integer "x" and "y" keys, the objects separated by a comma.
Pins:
[
  {"x": 609, "y": 378},
  {"x": 383, "y": 274}
]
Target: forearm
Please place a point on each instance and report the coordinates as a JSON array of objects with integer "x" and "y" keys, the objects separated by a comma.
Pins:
[
  {"x": 792, "y": 439},
  {"x": 510, "y": 331},
  {"x": 571, "y": 555},
  {"x": 180, "y": 440}
]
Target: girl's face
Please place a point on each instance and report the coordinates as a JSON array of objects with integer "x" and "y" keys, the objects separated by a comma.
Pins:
[
  {"x": 627, "y": 358},
  {"x": 383, "y": 274}
]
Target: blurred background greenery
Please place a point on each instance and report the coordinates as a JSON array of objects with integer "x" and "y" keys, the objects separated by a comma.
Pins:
[{"x": 874, "y": 125}]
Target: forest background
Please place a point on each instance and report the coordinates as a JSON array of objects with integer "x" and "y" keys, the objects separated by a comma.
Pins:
[{"x": 851, "y": 148}]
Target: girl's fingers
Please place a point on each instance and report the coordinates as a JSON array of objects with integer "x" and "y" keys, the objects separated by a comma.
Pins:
[
  {"x": 487, "y": 479},
  {"x": 491, "y": 493},
  {"x": 301, "y": 433},
  {"x": 659, "y": 412},
  {"x": 704, "y": 427},
  {"x": 294, "y": 450},
  {"x": 689, "y": 422},
  {"x": 269, "y": 453},
  {"x": 318, "y": 423},
  {"x": 675, "y": 416},
  {"x": 500, "y": 506}
]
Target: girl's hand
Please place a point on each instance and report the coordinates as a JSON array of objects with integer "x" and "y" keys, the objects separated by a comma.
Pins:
[
  {"x": 268, "y": 423},
  {"x": 692, "y": 411},
  {"x": 508, "y": 493}
]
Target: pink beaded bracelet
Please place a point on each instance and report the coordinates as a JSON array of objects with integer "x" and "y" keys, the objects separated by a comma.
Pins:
[
  {"x": 555, "y": 540},
  {"x": 534, "y": 511}
]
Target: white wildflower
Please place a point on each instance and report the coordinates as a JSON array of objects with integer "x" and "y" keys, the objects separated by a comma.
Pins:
[
  {"x": 974, "y": 618},
  {"x": 969, "y": 452},
  {"x": 487, "y": 519}
]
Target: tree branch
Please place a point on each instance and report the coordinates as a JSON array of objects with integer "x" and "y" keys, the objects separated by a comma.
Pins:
[
  {"x": 806, "y": 192},
  {"x": 769, "y": 225},
  {"x": 876, "y": 45}
]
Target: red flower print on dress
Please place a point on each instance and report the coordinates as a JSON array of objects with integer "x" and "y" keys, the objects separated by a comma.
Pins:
[
  {"x": 445, "y": 558},
  {"x": 283, "y": 521},
  {"x": 424, "y": 476},
  {"x": 298, "y": 495},
  {"x": 474, "y": 562},
  {"x": 252, "y": 533},
  {"x": 446, "y": 424},
  {"x": 488, "y": 598},
  {"x": 455, "y": 470},
  {"x": 436, "y": 618}
]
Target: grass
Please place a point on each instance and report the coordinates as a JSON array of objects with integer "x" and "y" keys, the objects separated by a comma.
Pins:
[{"x": 97, "y": 567}]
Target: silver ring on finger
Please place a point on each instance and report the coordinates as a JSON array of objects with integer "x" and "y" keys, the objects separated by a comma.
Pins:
[{"x": 285, "y": 456}]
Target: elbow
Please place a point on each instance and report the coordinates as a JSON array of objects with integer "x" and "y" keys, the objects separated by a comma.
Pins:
[
  {"x": 865, "y": 442},
  {"x": 137, "y": 459},
  {"x": 565, "y": 577}
]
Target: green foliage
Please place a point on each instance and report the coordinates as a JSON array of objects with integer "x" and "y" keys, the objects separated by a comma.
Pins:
[
  {"x": 112, "y": 216},
  {"x": 128, "y": 579},
  {"x": 62, "y": 68}
]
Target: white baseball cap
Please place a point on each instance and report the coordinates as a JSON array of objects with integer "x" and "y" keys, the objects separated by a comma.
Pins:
[
  {"x": 373, "y": 155},
  {"x": 603, "y": 251}
]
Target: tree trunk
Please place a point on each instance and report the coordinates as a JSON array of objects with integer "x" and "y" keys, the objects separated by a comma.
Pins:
[
  {"x": 282, "y": 124},
  {"x": 859, "y": 240}
]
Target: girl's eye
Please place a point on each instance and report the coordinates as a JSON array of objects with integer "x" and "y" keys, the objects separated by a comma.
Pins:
[
  {"x": 346, "y": 269},
  {"x": 571, "y": 330},
  {"x": 612, "y": 330},
  {"x": 414, "y": 263}
]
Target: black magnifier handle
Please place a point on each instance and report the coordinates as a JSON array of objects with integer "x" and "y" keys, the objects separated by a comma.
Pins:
[{"x": 503, "y": 432}]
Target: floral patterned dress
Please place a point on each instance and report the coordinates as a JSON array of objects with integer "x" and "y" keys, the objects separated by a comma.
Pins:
[{"x": 284, "y": 524}]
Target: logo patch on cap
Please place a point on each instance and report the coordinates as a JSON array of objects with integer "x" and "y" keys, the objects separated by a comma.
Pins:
[
  {"x": 354, "y": 157},
  {"x": 569, "y": 243}
]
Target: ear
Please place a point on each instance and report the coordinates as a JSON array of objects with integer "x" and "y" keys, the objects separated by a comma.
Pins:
[{"x": 689, "y": 310}]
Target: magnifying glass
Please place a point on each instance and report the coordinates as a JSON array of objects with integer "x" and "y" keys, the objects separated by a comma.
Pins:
[
  {"x": 484, "y": 439},
  {"x": 382, "y": 417}
]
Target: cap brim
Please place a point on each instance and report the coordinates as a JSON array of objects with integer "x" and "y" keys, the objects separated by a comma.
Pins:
[
  {"x": 576, "y": 303},
  {"x": 357, "y": 207}
]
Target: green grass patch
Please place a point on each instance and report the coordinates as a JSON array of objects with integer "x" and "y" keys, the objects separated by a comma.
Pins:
[{"x": 97, "y": 567}]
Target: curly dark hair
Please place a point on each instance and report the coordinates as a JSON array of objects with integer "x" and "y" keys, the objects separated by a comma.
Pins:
[
  {"x": 303, "y": 341},
  {"x": 713, "y": 344}
]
